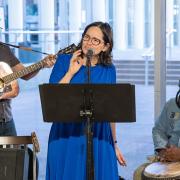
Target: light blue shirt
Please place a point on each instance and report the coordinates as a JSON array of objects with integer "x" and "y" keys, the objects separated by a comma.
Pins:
[{"x": 166, "y": 130}]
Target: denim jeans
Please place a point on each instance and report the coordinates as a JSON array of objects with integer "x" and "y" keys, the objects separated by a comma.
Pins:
[{"x": 8, "y": 128}]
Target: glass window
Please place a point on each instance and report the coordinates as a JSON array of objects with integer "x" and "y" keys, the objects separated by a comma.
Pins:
[
  {"x": 147, "y": 23},
  {"x": 176, "y": 22},
  {"x": 31, "y": 8},
  {"x": 172, "y": 47}
]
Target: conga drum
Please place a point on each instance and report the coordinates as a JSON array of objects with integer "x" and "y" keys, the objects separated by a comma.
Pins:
[{"x": 162, "y": 171}]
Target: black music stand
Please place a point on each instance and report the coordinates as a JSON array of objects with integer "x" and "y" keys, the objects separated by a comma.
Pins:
[{"x": 88, "y": 102}]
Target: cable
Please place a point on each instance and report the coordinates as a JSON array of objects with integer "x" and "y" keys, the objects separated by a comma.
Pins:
[{"x": 178, "y": 96}]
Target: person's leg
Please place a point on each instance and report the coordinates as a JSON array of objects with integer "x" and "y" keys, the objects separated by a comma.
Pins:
[{"x": 8, "y": 128}]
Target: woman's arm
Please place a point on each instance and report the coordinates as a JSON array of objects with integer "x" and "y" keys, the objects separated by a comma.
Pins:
[
  {"x": 119, "y": 155},
  {"x": 113, "y": 129},
  {"x": 75, "y": 64},
  {"x": 67, "y": 78}
]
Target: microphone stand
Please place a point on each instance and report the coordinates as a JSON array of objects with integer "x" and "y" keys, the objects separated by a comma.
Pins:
[{"x": 87, "y": 113}]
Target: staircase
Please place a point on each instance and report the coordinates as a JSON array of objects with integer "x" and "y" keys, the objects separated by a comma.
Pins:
[{"x": 141, "y": 72}]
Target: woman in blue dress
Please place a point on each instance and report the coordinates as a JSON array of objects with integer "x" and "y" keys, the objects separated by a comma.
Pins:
[{"x": 66, "y": 159}]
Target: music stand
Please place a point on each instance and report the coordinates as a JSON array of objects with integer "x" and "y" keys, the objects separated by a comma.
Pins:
[{"x": 91, "y": 102}]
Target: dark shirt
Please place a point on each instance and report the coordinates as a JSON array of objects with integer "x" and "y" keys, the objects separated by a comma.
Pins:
[
  {"x": 5, "y": 105},
  {"x": 7, "y": 56}
]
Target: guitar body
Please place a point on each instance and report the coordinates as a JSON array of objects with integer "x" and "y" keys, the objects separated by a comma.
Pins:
[{"x": 5, "y": 69}]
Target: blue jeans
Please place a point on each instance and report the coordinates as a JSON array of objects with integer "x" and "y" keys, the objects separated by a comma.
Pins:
[{"x": 8, "y": 128}]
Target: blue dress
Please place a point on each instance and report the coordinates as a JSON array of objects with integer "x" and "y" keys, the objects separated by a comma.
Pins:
[{"x": 66, "y": 159}]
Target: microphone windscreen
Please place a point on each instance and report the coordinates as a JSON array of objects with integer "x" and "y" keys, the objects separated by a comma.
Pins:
[{"x": 90, "y": 52}]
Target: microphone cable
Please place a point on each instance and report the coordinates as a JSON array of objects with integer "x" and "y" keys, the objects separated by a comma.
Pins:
[
  {"x": 23, "y": 48},
  {"x": 178, "y": 97}
]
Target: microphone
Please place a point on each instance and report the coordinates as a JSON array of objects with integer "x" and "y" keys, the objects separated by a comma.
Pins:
[{"x": 90, "y": 53}]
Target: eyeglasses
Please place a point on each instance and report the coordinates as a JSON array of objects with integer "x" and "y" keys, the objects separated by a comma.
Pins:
[{"x": 93, "y": 40}]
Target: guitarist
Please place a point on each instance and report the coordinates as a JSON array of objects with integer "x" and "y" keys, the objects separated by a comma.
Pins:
[{"x": 8, "y": 64}]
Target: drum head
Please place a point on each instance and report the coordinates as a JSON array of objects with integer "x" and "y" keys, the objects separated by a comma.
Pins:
[{"x": 160, "y": 170}]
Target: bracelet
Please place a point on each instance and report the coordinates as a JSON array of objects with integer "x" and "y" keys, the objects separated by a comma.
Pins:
[{"x": 115, "y": 142}]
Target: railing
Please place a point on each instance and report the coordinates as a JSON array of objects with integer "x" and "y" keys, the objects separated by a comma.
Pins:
[
  {"x": 49, "y": 41},
  {"x": 148, "y": 55}
]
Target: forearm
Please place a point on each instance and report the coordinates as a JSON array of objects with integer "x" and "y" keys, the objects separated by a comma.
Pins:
[
  {"x": 20, "y": 67},
  {"x": 8, "y": 95},
  {"x": 31, "y": 75},
  {"x": 113, "y": 129},
  {"x": 160, "y": 139},
  {"x": 11, "y": 94},
  {"x": 66, "y": 79},
  {"x": 178, "y": 154}
]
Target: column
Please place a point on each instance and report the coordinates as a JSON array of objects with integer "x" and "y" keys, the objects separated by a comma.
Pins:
[
  {"x": 46, "y": 22},
  {"x": 139, "y": 24},
  {"x": 2, "y": 24},
  {"x": 63, "y": 23},
  {"x": 120, "y": 24},
  {"x": 74, "y": 20},
  {"x": 160, "y": 56},
  {"x": 169, "y": 24},
  {"x": 69, "y": 20},
  {"x": 178, "y": 30},
  {"x": 98, "y": 10},
  {"x": 15, "y": 19},
  {"x": 152, "y": 20}
]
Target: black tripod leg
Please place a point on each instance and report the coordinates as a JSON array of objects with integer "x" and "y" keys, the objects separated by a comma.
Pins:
[{"x": 90, "y": 158}]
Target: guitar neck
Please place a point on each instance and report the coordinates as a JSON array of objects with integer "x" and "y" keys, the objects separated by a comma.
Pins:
[
  {"x": 34, "y": 67},
  {"x": 15, "y": 75}
]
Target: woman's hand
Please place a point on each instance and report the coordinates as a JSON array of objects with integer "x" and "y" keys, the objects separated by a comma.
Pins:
[
  {"x": 75, "y": 63},
  {"x": 119, "y": 156}
]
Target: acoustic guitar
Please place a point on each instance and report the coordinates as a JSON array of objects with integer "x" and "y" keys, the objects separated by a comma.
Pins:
[{"x": 7, "y": 76}]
